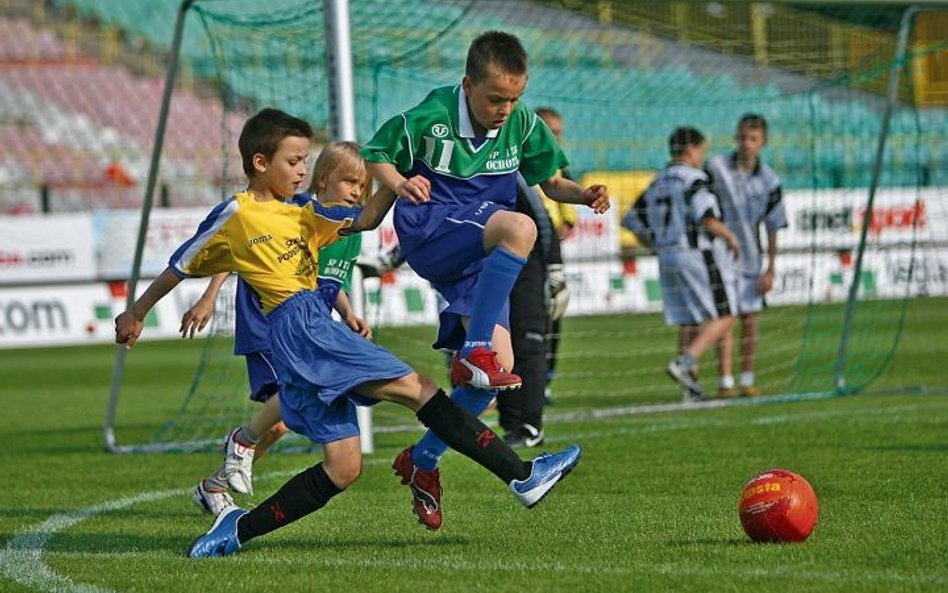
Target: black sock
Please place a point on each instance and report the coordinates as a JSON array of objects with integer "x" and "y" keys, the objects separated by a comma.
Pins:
[
  {"x": 467, "y": 435},
  {"x": 302, "y": 494}
]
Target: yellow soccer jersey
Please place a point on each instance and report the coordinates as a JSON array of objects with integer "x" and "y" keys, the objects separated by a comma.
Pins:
[{"x": 273, "y": 245}]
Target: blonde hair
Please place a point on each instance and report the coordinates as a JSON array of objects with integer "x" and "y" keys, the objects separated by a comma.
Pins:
[{"x": 336, "y": 155}]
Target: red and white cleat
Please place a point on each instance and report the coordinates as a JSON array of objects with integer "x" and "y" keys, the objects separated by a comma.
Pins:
[
  {"x": 480, "y": 370},
  {"x": 425, "y": 489}
]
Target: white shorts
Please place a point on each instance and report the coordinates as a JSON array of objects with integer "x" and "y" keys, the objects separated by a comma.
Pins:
[
  {"x": 749, "y": 299},
  {"x": 697, "y": 285}
]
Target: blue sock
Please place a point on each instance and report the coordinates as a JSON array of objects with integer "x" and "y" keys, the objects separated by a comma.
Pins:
[
  {"x": 497, "y": 278},
  {"x": 428, "y": 451}
]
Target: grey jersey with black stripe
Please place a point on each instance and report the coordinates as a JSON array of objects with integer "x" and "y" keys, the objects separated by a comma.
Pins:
[
  {"x": 748, "y": 199},
  {"x": 670, "y": 212}
]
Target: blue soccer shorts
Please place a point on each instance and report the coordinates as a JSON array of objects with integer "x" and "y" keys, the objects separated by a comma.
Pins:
[
  {"x": 262, "y": 376},
  {"x": 320, "y": 362},
  {"x": 451, "y": 259}
]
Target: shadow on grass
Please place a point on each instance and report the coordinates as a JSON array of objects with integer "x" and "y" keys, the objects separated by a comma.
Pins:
[
  {"x": 723, "y": 541},
  {"x": 123, "y": 543}
]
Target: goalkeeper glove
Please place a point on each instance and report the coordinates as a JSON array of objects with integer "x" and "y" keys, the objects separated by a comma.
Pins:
[{"x": 559, "y": 292}]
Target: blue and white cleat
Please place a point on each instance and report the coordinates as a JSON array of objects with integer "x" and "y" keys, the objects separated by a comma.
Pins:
[
  {"x": 221, "y": 539},
  {"x": 548, "y": 469}
]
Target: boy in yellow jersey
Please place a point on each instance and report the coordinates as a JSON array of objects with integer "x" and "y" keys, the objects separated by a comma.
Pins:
[
  {"x": 323, "y": 367},
  {"x": 339, "y": 177}
]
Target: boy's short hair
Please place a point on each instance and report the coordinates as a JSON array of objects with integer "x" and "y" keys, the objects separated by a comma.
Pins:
[
  {"x": 753, "y": 121},
  {"x": 498, "y": 49},
  {"x": 263, "y": 132},
  {"x": 683, "y": 138}
]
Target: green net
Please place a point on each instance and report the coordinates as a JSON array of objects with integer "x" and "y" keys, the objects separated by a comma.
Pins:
[{"x": 624, "y": 75}]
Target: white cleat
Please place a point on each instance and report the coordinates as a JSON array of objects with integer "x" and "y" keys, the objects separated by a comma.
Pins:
[
  {"x": 238, "y": 464},
  {"x": 211, "y": 501}
]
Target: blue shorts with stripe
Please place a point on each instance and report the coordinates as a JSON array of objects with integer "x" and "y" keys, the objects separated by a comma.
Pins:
[
  {"x": 319, "y": 362},
  {"x": 450, "y": 259},
  {"x": 262, "y": 376}
]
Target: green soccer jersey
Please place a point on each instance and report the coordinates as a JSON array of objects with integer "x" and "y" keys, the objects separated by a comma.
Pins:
[
  {"x": 436, "y": 140},
  {"x": 337, "y": 260}
]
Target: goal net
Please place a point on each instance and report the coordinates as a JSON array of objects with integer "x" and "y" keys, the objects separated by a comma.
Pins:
[{"x": 624, "y": 75}]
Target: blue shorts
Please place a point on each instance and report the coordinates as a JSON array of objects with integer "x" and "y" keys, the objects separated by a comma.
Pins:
[
  {"x": 450, "y": 259},
  {"x": 262, "y": 376},
  {"x": 319, "y": 363}
]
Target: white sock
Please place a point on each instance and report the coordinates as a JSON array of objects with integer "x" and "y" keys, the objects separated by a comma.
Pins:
[
  {"x": 747, "y": 379},
  {"x": 726, "y": 382}
]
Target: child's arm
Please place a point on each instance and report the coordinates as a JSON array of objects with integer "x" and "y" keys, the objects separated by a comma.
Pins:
[
  {"x": 196, "y": 318},
  {"x": 716, "y": 227},
  {"x": 566, "y": 190},
  {"x": 128, "y": 325},
  {"x": 345, "y": 310},
  {"x": 766, "y": 281},
  {"x": 417, "y": 189},
  {"x": 375, "y": 210}
]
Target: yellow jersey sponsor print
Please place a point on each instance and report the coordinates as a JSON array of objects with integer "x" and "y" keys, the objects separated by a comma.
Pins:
[{"x": 273, "y": 245}]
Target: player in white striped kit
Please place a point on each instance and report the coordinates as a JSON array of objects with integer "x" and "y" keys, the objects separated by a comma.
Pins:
[
  {"x": 678, "y": 216},
  {"x": 749, "y": 194}
]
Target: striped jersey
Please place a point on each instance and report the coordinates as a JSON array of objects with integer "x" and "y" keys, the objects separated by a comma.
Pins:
[
  {"x": 273, "y": 245},
  {"x": 748, "y": 199},
  {"x": 671, "y": 210},
  {"x": 436, "y": 139}
]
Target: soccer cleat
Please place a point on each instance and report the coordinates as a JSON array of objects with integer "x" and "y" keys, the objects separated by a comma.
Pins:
[
  {"x": 425, "y": 489},
  {"x": 547, "y": 470},
  {"x": 680, "y": 371},
  {"x": 690, "y": 397},
  {"x": 749, "y": 391},
  {"x": 221, "y": 538},
  {"x": 380, "y": 264},
  {"x": 238, "y": 463},
  {"x": 211, "y": 501},
  {"x": 480, "y": 370},
  {"x": 726, "y": 392},
  {"x": 526, "y": 435}
]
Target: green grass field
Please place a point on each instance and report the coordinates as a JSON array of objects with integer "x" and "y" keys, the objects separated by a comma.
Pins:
[{"x": 652, "y": 507}]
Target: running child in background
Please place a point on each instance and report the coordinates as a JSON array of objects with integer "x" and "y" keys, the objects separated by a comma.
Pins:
[{"x": 678, "y": 216}]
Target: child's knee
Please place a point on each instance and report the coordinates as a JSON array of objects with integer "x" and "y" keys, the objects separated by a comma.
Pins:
[
  {"x": 522, "y": 227},
  {"x": 412, "y": 390},
  {"x": 343, "y": 471}
]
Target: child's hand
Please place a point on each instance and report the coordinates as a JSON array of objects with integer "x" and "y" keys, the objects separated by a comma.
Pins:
[
  {"x": 597, "y": 198},
  {"x": 766, "y": 281},
  {"x": 197, "y": 317},
  {"x": 416, "y": 190},
  {"x": 360, "y": 326},
  {"x": 127, "y": 329},
  {"x": 733, "y": 245}
]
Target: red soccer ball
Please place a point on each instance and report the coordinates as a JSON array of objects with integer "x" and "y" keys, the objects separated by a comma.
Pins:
[{"x": 778, "y": 506}]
